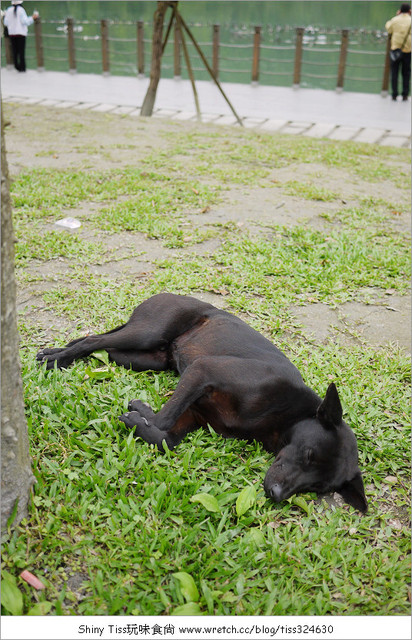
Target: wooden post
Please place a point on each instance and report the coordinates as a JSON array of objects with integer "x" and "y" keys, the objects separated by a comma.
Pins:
[
  {"x": 168, "y": 30},
  {"x": 209, "y": 68},
  {"x": 7, "y": 49},
  {"x": 189, "y": 68},
  {"x": 39, "y": 44},
  {"x": 298, "y": 57},
  {"x": 386, "y": 69},
  {"x": 140, "y": 48},
  {"x": 342, "y": 59},
  {"x": 157, "y": 48},
  {"x": 256, "y": 54},
  {"x": 8, "y": 52},
  {"x": 70, "y": 44},
  {"x": 176, "y": 51},
  {"x": 104, "y": 31},
  {"x": 215, "y": 63}
]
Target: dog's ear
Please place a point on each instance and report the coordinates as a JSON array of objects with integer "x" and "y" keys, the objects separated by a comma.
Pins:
[
  {"x": 329, "y": 412},
  {"x": 354, "y": 494}
]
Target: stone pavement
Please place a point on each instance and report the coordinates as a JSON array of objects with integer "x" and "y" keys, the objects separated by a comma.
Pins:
[{"x": 361, "y": 117}]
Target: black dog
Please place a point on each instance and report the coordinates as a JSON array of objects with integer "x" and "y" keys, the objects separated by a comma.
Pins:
[{"x": 238, "y": 382}]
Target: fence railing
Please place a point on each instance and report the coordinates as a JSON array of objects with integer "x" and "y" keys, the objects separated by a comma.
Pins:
[{"x": 257, "y": 61}]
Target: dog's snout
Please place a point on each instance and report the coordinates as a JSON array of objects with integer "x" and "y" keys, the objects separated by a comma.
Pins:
[{"x": 275, "y": 492}]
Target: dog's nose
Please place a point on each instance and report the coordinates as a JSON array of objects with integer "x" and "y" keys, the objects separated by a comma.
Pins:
[{"x": 275, "y": 492}]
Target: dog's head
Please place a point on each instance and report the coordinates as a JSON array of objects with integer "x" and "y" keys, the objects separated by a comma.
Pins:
[{"x": 321, "y": 455}]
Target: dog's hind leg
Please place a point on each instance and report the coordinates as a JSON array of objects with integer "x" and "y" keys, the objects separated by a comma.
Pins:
[
  {"x": 139, "y": 360},
  {"x": 152, "y": 327},
  {"x": 53, "y": 351},
  {"x": 139, "y": 342}
]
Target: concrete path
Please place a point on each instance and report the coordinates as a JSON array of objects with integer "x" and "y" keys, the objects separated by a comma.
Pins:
[{"x": 360, "y": 117}]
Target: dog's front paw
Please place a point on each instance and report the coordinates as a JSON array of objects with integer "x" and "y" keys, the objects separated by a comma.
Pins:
[
  {"x": 143, "y": 408},
  {"x": 133, "y": 419},
  {"x": 44, "y": 353},
  {"x": 53, "y": 359},
  {"x": 146, "y": 430}
]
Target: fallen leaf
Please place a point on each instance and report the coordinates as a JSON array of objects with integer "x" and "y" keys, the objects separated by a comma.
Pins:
[
  {"x": 187, "y": 586},
  {"x": 229, "y": 596},
  {"x": 32, "y": 580},
  {"x": 40, "y": 609},
  {"x": 11, "y": 597},
  {"x": 245, "y": 500},
  {"x": 301, "y": 503},
  {"x": 188, "y": 609},
  {"x": 256, "y": 536},
  {"x": 208, "y": 501}
]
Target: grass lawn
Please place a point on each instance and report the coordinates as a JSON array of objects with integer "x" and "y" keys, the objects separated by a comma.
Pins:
[{"x": 117, "y": 528}]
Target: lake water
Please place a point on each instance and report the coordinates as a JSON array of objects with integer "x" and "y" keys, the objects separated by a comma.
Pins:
[{"x": 323, "y": 21}]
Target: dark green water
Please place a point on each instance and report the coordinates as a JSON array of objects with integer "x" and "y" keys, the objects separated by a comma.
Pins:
[
  {"x": 323, "y": 20},
  {"x": 341, "y": 14}
]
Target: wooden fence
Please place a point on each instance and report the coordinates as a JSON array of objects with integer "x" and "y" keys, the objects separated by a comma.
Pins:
[{"x": 296, "y": 75}]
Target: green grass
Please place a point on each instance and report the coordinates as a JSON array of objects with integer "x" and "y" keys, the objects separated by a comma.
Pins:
[
  {"x": 309, "y": 191},
  {"x": 152, "y": 203},
  {"x": 113, "y": 510},
  {"x": 240, "y": 158},
  {"x": 54, "y": 244},
  {"x": 113, "y": 526},
  {"x": 155, "y": 214}
]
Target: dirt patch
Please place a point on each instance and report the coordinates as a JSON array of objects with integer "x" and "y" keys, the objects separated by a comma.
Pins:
[
  {"x": 386, "y": 321},
  {"x": 346, "y": 185},
  {"x": 41, "y": 137},
  {"x": 266, "y": 206},
  {"x": 61, "y": 139}
]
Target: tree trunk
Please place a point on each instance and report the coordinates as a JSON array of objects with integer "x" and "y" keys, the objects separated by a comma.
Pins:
[
  {"x": 16, "y": 474},
  {"x": 157, "y": 50}
]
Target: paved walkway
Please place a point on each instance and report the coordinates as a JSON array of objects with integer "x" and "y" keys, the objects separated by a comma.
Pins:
[{"x": 361, "y": 117}]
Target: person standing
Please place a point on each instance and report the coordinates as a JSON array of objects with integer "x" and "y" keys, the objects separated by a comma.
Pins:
[
  {"x": 17, "y": 22},
  {"x": 400, "y": 55}
]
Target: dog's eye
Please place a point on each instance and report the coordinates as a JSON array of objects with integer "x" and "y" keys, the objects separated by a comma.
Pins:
[{"x": 309, "y": 456}]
